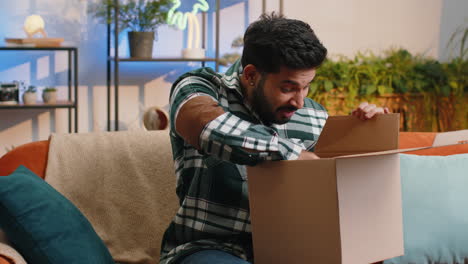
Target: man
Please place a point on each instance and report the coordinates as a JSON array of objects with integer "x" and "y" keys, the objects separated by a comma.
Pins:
[{"x": 257, "y": 111}]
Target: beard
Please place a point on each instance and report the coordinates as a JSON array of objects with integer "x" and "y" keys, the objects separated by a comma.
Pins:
[{"x": 265, "y": 109}]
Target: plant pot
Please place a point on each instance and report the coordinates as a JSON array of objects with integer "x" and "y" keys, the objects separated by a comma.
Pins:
[
  {"x": 141, "y": 44},
  {"x": 49, "y": 97},
  {"x": 29, "y": 98}
]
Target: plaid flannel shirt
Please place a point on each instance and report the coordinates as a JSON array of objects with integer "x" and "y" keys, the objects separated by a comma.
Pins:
[{"x": 212, "y": 182}]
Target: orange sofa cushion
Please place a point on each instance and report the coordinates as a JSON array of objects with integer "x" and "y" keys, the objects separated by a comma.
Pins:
[
  {"x": 424, "y": 139},
  {"x": 32, "y": 155}
]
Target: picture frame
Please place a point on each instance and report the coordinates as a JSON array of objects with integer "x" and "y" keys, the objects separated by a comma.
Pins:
[{"x": 9, "y": 92}]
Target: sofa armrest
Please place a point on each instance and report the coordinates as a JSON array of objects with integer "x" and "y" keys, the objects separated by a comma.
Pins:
[
  {"x": 9, "y": 255},
  {"x": 4, "y": 260},
  {"x": 32, "y": 155},
  {"x": 416, "y": 139}
]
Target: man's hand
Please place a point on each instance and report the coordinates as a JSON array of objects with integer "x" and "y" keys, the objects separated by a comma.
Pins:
[
  {"x": 306, "y": 155},
  {"x": 367, "y": 111}
]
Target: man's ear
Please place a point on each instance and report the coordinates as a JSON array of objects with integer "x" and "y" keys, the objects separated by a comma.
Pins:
[{"x": 251, "y": 74}]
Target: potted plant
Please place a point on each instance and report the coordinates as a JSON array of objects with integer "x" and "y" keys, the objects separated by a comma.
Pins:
[
  {"x": 49, "y": 95},
  {"x": 29, "y": 95},
  {"x": 429, "y": 95},
  {"x": 140, "y": 17}
]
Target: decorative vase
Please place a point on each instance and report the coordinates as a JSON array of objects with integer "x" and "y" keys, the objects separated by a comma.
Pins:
[
  {"x": 29, "y": 98},
  {"x": 155, "y": 118},
  {"x": 49, "y": 97},
  {"x": 141, "y": 44}
]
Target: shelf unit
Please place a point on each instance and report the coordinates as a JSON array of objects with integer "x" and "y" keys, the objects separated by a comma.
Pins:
[
  {"x": 72, "y": 102},
  {"x": 114, "y": 60}
]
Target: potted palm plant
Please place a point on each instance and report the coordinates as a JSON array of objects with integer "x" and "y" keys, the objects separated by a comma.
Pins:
[{"x": 140, "y": 17}]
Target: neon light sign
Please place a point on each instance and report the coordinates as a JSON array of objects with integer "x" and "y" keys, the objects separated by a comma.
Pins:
[{"x": 180, "y": 20}]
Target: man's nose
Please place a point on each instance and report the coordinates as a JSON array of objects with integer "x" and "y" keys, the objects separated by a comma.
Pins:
[{"x": 297, "y": 100}]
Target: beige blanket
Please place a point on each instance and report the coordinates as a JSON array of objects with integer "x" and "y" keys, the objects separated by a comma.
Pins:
[{"x": 123, "y": 182}]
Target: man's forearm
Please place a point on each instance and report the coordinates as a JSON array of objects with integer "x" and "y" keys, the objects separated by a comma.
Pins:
[
  {"x": 194, "y": 115},
  {"x": 206, "y": 126}
]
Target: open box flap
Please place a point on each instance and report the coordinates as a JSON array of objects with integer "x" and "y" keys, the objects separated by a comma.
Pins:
[
  {"x": 451, "y": 138},
  {"x": 377, "y": 153},
  {"x": 350, "y": 135}
]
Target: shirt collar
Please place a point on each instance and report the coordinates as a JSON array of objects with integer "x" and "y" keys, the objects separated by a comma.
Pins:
[{"x": 231, "y": 79}]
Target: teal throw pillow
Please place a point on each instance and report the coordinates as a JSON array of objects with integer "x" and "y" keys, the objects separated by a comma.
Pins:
[
  {"x": 435, "y": 212},
  {"x": 43, "y": 225}
]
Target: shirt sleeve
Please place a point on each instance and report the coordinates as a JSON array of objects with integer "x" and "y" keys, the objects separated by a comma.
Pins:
[
  {"x": 186, "y": 89},
  {"x": 229, "y": 137}
]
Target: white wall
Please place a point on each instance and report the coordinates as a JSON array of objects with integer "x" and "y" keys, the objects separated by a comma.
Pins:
[
  {"x": 357, "y": 25},
  {"x": 454, "y": 15},
  {"x": 345, "y": 26}
]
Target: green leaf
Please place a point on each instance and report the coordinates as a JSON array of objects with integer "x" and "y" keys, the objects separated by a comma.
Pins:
[
  {"x": 328, "y": 86},
  {"x": 454, "y": 85},
  {"x": 382, "y": 89},
  {"x": 445, "y": 89},
  {"x": 370, "y": 89},
  {"x": 353, "y": 93},
  {"x": 313, "y": 88}
]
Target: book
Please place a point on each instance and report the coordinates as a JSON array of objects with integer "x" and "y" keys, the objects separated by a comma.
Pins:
[{"x": 34, "y": 42}]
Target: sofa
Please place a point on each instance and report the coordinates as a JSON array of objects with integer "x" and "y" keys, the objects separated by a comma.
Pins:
[{"x": 136, "y": 146}]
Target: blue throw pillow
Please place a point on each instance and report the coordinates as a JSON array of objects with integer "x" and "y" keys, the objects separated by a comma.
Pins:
[
  {"x": 43, "y": 225},
  {"x": 435, "y": 212}
]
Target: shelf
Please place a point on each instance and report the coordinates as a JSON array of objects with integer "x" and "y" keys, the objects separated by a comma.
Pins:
[
  {"x": 72, "y": 101},
  {"x": 113, "y": 60},
  {"x": 37, "y": 48},
  {"x": 162, "y": 59},
  {"x": 39, "y": 105}
]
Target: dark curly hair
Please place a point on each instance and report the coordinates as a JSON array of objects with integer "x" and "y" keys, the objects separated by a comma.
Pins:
[{"x": 274, "y": 41}]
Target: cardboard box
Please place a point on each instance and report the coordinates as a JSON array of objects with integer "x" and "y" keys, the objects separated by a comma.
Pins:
[{"x": 343, "y": 208}]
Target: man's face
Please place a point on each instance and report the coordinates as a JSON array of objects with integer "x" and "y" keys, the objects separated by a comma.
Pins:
[{"x": 277, "y": 96}]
